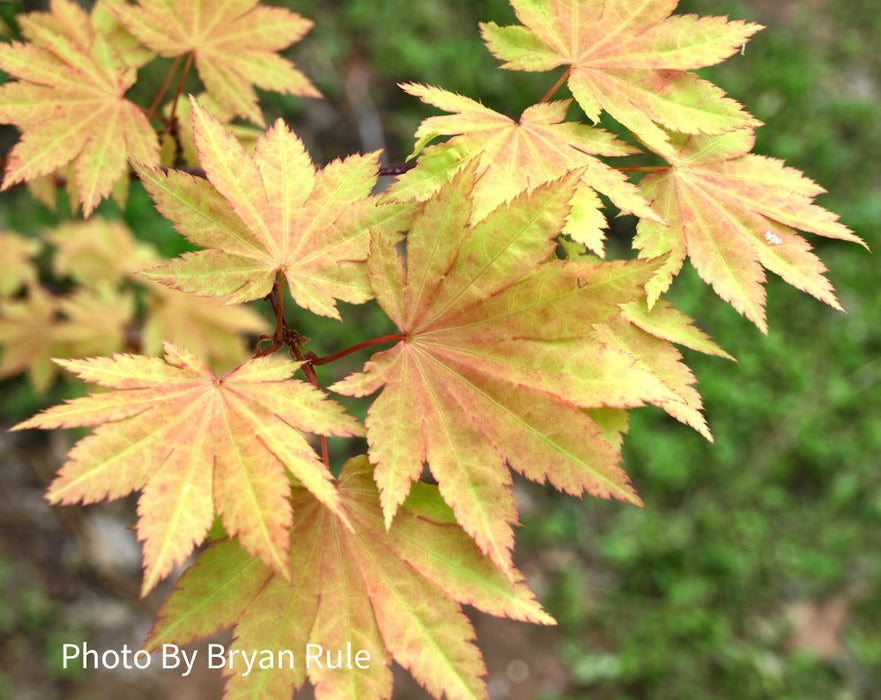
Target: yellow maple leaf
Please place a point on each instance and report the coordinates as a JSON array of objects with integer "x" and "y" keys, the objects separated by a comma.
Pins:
[
  {"x": 381, "y": 594},
  {"x": 516, "y": 156},
  {"x": 234, "y": 44},
  {"x": 629, "y": 58},
  {"x": 24, "y": 327},
  {"x": 734, "y": 214},
  {"x": 198, "y": 445},
  {"x": 262, "y": 214},
  {"x": 69, "y": 102}
]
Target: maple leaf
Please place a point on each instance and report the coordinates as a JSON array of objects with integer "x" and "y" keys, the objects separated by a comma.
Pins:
[
  {"x": 68, "y": 100},
  {"x": 265, "y": 213},
  {"x": 195, "y": 445},
  {"x": 185, "y": 140},
  {"x": 392, "y": 595},
  {"x": 99, "y": 252},
  {"x": 91, "y": 321},
  {"x": 234, "y": 44},
  {"x": 205, "y": 325},
  {"x": 25, "y": 336},
  {"x": 629, "y": 58},
  {"x": 497, "y": 341},
  {"x": 733, "y": 213},
  {"x": 516, "y": 156},
  {"x": 102, "y": 255},
  {"x": 41, "y": 326},
  {"x": 15, "y": 259}
]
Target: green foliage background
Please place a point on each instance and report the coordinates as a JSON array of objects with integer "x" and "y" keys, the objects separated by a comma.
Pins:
[{"x": 702, "y": 594}]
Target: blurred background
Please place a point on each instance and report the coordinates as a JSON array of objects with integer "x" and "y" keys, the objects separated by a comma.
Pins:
[{"x": 755, "y": 569}]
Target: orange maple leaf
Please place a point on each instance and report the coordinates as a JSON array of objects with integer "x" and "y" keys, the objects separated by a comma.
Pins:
[
  {"x": 368, "y": 594},
  {"x": 733, "y": 213},
  {"x": 69, "y": 102},
  {"x": 266, "y": 213},
  {"x": 196, "y": 445},
  {"x": 234, "y": 44},
  {"x": 629, "y": 58},
  {"x": 498, "y": 359}
]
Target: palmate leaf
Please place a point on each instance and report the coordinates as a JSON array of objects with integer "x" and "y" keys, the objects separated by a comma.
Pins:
[
  {"x": 196, "y": 446},
  {"x": 266, "y": 213},
  {"x": 394, "y": 595},
  {"x": 629, "y": 58},
  {"x": 212, "y": 330},
  {"x": 26, "y": 337},
  {"x": 516, "y": 156},
  {"x": 499, "y": 357},
  {"x": 68, "y": 100},
  {"x": 734, "y": 213},
  {"x": 234, "y": 43},
  {"x": 99, "y": 252}
]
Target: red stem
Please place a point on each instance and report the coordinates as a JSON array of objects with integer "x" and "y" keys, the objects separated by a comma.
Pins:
[
  {"x": 359, "y": 346},
  {"x": 150, "y": 114},
  {"x": 277, "y": 297},
  {"x": 557, "y": 86},
  {"x": 309, "y": 371},
  {"x": 180, "y": 83},
  {"x": 324, "y": 456},
  {"x": 165, "y": 83}
]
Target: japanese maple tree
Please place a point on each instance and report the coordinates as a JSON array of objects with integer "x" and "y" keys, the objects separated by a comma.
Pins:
[{"x": 518, "y": 347}]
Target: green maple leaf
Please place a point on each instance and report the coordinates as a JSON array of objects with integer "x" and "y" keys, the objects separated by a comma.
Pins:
[
  {"x": 69, "y": 101},
  {"x": 516, "y": 156},
  {"x": 196, "y": 445},
  {"x": 266, "y": 213},
  {"x": 629, "y": 58},
  {"x": 499, "y": 358},
  {"x": 734, "y": 213},
  {"x": 393, "y": 594},
  {"x": 234, "y": 43}
]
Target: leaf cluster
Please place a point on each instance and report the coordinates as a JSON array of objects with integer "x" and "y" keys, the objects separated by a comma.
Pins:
[{"x": 519, "y": 349}]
